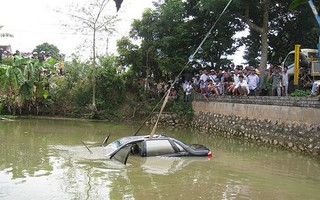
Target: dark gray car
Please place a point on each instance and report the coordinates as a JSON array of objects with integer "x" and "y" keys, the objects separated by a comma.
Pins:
[{"x": 158, "y": 145}]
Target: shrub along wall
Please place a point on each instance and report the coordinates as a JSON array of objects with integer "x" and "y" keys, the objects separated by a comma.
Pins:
[{"x": 291, "y": 122}]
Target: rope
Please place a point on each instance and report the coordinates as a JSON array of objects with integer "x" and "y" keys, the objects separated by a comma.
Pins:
[
  {"x": 162, "y": 107},
  {"x": 177, "y": 77}
]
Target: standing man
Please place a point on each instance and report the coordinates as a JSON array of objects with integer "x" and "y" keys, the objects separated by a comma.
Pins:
[
  {"x": 276, "y": 77},
  {"x": 285, "y": 80},
  {"x": 253, "y": 82},
  {"x": 188, "y": 91}
]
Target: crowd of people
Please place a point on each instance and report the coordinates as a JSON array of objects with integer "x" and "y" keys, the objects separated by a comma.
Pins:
[
  {"x": 42, "y": 55},
  {"x": 238, "y": 81}
]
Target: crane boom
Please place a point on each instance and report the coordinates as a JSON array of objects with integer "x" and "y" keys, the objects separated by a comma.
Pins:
[{"x": 315, "y": 12}]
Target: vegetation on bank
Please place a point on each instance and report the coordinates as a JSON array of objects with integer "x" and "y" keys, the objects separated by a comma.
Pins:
[
  {"x": 113, "y": 87},
  {"x": 300, "y": 93},
  {"x": 30, "y": 87}
]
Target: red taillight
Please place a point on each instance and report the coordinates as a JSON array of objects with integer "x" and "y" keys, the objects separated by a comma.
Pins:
[{"x": 209, "y": 154}]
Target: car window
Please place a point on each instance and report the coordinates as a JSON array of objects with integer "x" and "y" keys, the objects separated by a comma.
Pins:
[
  {"x": 122, "y": 154},
  {"x": 112, "y": 146},
  {"x": 158, "y": 147},
  {"x": 289, "y": 60},
  {"x": 312, "y": 54},
  {"x": 181, "y": 149}
]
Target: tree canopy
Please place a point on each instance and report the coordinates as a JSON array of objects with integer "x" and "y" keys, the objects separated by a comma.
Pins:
[{"x": 171, "y": 32}]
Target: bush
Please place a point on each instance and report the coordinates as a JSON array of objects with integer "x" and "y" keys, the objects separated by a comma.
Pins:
[
  {"x": 300, "y": 93},
  {"x": 110, "y": 90}
]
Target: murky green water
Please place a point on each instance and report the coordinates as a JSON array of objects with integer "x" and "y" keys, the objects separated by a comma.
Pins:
[{"x": 45, "y": 159}]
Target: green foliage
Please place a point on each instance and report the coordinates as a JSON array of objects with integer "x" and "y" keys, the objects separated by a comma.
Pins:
[
  {"x": 81, "y": 93},
  {"x": 110, "y": 85},
  {"x": 73, "y": 92},
  {"x": 297, "y": 3},
  {"x": 300, "y": 93},
  {"x": 181, "y": 108},
  {"x": 172, "y": 32},
  {"x": 283, "y": 34},
  {"x": 25, "y": 84}
]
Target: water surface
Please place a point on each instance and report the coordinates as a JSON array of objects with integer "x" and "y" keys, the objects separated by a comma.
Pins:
[{"x": 45, "y": 159}]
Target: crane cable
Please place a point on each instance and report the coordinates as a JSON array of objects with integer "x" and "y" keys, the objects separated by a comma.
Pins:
[{"x": 177, "y": 77}]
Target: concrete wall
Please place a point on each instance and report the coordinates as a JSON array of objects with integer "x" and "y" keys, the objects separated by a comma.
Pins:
[
  {"x": 262, "y": 112},
  {"x": 288, "y": 122}
]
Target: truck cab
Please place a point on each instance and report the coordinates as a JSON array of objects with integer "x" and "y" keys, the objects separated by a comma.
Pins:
[
  {"x": 306, "y": 55},
  {"x": 309, "y": 67}
]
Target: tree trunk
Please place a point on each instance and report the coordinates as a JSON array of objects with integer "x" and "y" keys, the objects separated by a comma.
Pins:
[
  {"x": 264, "y": 40},
  {"x": 264, "y": 35}
]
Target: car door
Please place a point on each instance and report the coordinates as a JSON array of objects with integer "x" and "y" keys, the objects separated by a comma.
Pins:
[
  {"x": 157, "y": 147},
  {"x": 122, "y": 154}
]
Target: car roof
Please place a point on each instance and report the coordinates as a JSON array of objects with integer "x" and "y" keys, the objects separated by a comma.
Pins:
[{"x": 137, "y": 138}]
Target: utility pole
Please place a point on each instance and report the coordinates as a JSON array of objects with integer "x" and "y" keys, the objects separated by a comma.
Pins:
[{"x": 107, "y": 47}]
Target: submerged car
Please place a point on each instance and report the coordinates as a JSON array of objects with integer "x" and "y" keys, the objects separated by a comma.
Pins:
[{"x": 157, "y": 145}]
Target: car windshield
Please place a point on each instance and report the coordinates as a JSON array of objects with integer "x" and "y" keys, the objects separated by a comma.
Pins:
[
  {"x": 113, "y": 146},
  {"x": 116, "y": 144}
]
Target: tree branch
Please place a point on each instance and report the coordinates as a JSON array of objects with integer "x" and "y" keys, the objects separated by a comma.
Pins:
[{"x": 249, "y": 22}]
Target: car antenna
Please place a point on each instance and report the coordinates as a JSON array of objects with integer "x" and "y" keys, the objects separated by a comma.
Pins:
[{"x": 87, "y": 147}]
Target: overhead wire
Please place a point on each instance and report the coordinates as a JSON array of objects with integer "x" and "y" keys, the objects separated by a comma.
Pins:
[{"x": 177, "y": 77}]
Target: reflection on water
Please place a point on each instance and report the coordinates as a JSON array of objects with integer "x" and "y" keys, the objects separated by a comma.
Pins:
[{"x": 45, "y": 159}]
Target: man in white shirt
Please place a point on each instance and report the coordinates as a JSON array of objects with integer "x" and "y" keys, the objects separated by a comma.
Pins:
[
  {"x": 205, "y": 75},
  {"x": 242, "y": 86},
  {"x": 253, "y": 81},
  {"x": 285, "y": 80},
  {"x": 188, "y": 88},
  {"x": 212, "y": 75}
]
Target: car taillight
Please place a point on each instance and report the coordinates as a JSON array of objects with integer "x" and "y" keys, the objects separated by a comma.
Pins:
[{"x": 209, "y": 154}]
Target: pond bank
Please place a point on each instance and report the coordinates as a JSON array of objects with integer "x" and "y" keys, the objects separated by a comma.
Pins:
[{"x": 290, "y": 122}]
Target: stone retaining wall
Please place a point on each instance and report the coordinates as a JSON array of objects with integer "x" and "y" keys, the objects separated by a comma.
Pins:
[{"x": 284, "y": 121}]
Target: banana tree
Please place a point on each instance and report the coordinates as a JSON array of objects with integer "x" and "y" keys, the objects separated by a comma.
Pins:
[
  {"x": 35, "y": 90},
  {"x": 25, "y": 83},
  {"x": 11, "y": 80}
]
